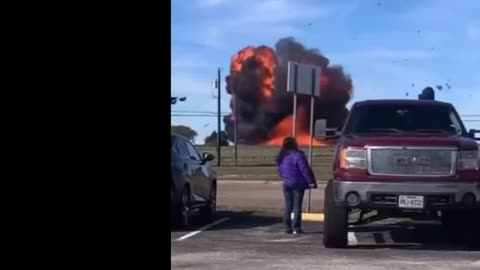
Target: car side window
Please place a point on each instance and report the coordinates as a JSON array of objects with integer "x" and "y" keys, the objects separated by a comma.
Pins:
[
  {"x": 174, "y": 147},
  {"x": 181, "y": 149},
  {"x": 193, "y": 153}
]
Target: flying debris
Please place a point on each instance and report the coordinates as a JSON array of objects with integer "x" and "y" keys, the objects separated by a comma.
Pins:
[
  {"x": 258, "y": 76},
  {"x": 448, "y": 86},
  {"x": 309, "y": 24},
  {"x": 439, "y": 87},
  {"x": 406, "y": 94},
  {"x": 413, "y": 84}
]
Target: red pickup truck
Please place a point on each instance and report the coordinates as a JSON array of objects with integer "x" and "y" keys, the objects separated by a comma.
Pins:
[{"x": 401, "y": 158}]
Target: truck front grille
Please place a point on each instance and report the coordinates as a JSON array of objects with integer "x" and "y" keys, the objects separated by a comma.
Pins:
[{"x": 412, "y": 161}]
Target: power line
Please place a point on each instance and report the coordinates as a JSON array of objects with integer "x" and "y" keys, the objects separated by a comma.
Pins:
[
  {"x": 205, "y": 112},
  {"x": 200, "y": 112},
  {"x": 197, "y": 115}
]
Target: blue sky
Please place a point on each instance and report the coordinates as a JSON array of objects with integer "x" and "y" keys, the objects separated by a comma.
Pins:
[{"x": 385, "y": 46}]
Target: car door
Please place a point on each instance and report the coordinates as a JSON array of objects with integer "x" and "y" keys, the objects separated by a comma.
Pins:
[
  {"x": 201, "y": 181},
  {"x": 184, "y": 168}
]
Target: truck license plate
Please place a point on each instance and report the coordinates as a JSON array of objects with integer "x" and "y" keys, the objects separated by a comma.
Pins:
[{"x": 409, "y": 201}]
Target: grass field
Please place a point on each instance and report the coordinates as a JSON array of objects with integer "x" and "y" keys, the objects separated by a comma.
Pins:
[{"x": 258, "y": 162}]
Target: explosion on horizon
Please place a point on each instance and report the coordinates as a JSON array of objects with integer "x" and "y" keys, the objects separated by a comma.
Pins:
[{"x": 258, "y": 76}]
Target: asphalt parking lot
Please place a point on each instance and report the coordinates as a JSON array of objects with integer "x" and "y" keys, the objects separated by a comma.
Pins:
[{"x": 255, "y": 240}]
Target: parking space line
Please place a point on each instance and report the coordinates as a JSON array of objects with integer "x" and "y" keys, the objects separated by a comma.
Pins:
[
  {"x": 206, "y": 227},
  {"x": 352, "y": 239}
]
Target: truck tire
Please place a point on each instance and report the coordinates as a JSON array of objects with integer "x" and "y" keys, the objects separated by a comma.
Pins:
[
  {"x": 460, "y": 219},
  {"x": 453, "y": 220},
  {"x": 335, "y": 225}
]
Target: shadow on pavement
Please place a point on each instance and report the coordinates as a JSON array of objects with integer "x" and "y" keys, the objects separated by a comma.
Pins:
[
  {"x": 237, "y": 220},
  {"x": 246, "y": 219},
  {"x": 409, "y": 235}
]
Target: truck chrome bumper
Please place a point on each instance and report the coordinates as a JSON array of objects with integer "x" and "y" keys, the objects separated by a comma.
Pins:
[{"x": 437, "y": 195}]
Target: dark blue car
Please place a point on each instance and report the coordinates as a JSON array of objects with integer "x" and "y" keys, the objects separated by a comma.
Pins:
[{"x": 193, "y": 182}]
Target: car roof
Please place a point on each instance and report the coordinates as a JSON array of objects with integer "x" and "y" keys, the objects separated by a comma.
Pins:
[
  {"x": 402, "y": 102},
  {"x": 177, "y": 135},
  {"x": 180, "y": 136}
]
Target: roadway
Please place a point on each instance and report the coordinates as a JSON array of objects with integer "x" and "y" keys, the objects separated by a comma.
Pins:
[{"x": 254, "y": 239}]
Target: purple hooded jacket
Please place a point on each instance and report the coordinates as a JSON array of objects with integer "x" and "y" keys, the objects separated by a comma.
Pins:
[{"x": 295, "y": 171}]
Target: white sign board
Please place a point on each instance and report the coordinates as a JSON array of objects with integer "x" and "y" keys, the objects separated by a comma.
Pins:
[
  {"x": 320, "y": 128},
  {"x": 303, "y": 79}
]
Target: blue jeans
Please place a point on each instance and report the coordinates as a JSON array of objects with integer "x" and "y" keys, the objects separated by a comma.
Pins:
[{"x": 293, "y": 203}]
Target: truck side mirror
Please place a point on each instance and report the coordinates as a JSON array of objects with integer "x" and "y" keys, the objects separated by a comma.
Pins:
[
  {"x": 472, "y": 132},
  {"x": 324, "y": 133}
]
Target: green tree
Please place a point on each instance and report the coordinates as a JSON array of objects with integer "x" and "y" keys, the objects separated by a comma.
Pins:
[
  {"x": 211, "y": 140},
  {"x": 185, "y": 131}
]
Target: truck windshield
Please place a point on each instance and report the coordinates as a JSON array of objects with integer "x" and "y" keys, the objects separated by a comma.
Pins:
[{"x": 382, "y": 118}]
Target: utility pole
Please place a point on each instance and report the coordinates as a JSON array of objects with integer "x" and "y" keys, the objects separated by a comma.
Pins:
[
  {"x": 235, "y": 155},
  {"x": 219, "y": 158}
]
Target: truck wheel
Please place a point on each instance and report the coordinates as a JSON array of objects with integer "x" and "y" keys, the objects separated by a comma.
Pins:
[
  {"x": 453, "y": 220},
  {"x": 208, "y": 212},
  {"x": 335, "y": 225}
]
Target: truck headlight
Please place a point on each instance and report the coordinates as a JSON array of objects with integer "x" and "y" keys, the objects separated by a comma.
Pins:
[
  {"x": 468, "y": 160},
  {"x": 353, "y": 158}
]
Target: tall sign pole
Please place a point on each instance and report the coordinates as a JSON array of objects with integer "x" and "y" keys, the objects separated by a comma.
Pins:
[
  {"x": 315, "y": 84},
  {"x": 292, "y": 82},
  {"x": 304, "y": 79},
  {"x": 219, "y": 158}
]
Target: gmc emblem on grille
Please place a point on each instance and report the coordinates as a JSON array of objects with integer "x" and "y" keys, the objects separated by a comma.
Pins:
[{"x": 413, "y": 161}]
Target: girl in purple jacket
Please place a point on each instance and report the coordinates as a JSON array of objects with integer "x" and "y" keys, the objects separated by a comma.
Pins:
[{"x": 297, "y": 176}]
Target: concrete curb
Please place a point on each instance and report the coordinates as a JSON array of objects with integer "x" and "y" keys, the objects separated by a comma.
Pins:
[
  {"x": 250, "y": 181},
  {"x": 318, "y": 216},
  {"x": 312, "y": 216},
  {"x": 239, "y": 181}
]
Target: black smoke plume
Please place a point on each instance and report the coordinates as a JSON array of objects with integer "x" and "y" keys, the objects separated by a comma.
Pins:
[{"x": 257, "y": 117}]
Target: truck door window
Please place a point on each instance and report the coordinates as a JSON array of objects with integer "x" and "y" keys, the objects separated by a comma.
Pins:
[{"x": 455, "y": 123}]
